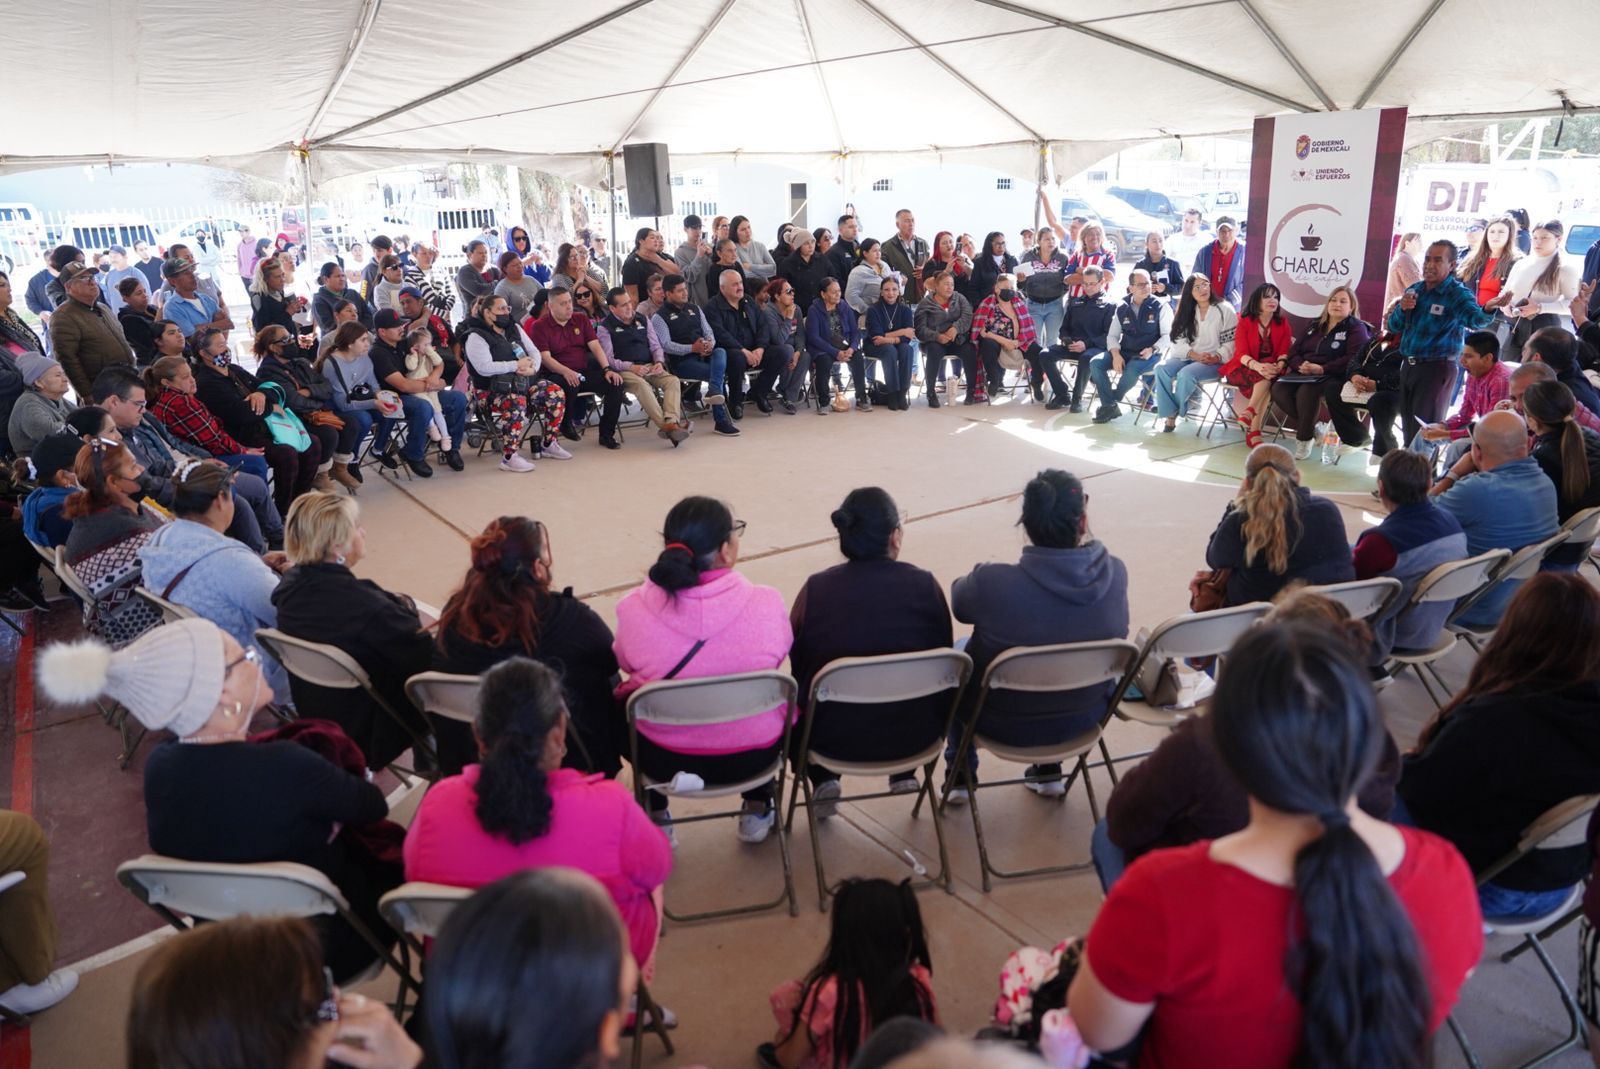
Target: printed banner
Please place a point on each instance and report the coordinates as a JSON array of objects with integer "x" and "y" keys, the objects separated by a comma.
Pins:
[{"x": 1322, "y": 199}]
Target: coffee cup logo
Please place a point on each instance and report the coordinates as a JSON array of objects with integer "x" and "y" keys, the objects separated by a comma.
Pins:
[{"x": 1309, "y": 241}]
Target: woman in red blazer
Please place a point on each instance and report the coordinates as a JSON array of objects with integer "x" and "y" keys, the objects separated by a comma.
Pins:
[{"x": 1260, "y": 351}]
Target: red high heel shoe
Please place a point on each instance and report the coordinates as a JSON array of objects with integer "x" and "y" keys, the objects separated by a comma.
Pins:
[{"x": 1252, "y": 439}]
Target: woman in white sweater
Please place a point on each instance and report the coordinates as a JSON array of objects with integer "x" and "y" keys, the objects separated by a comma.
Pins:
[
  {"x": 865, "y": 281},
  {"x": 1541, "y": 285},
  {"x": 752, "y": 254},
  {"x": 1202, "y": 341}
]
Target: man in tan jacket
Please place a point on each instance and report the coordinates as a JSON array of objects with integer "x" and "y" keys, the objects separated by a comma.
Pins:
[{"x": 84, "y": 333}]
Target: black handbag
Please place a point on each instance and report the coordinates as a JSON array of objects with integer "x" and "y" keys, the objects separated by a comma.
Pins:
[{"x": 510, "y": 384}]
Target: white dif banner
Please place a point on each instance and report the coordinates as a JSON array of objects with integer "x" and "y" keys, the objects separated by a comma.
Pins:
[{"x": 1322, "y": 203}]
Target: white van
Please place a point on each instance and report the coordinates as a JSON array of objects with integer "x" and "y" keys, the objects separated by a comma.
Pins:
[
  {"x": 22, "y": 230},
  {"x": 97, "y": 231},
  {"x": 448, "y": 225}
]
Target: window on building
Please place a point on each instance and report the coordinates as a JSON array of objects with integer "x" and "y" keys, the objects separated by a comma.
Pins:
[
  {"x": 883, "y": 185},
  {"x": 1002, "y": 183}
]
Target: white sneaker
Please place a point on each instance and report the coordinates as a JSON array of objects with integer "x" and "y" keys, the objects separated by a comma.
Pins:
[
  {"x": 1302, "y": 450},
  {"x": 825, "y": 799},
  {"x": 958, "y": 796},
  {"x": 669, "y": 1020},
  {"x": 555, "y": 451},
  {"x": 1048, "y": 788},
  {"x": 754, "y": 824},
  {"x": 28, "y": 999},
  {"x": 516, "y": 462}
]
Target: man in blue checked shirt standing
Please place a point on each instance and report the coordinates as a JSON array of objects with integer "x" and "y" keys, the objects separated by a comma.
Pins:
[{"x": 1432, "y": 318}]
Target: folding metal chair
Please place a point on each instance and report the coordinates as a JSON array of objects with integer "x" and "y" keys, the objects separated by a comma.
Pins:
[
  {"x": 868, "y": 681},
  {"x": 1458, "y": 581},
  {"x": 718, "y": 700},
  {"x": 328, "y": 666},
  {"x": 214, "y": 891},
  {"x": 1215, "y": 407},
  {"x": 1364, "y": 599},
  {"x": 1558, "y": 828},
  {"x": 171, "y": 612},
  {"x": 1583, "y": 529},
  {"x": 417, "y": 911},
  {"x": 1521, "y": 565},
  {"x": 1195, "y": 634},
  {"x": 455, "y": 697},
  {"x": 1037, "y": 670}
]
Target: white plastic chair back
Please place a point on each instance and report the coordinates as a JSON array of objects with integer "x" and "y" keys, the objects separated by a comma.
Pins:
[
  {"x": 892, "y": 677},
  {"x": 453, "y": 697},
  {"x": 1060, "y": 667},
  {"x": 1202, "y": 634},
  {"x": 1458, "y": 578},
  {"x": 216, "y": 891},
  {"x": 1582, "y": 528},
  {"x": 69, "y": 579},
  {"x": 711, "y": 699},
  {"x": 314, "y": 662},
  {"x": 1365, "y": 599},
  {"x": 1560, "y": 826},
  {"x": 171, "y": 612},
  {"x": 419, "y": 909},
  {"x": 1524, "y": 563},
  {"x": 52, "y": 557}
]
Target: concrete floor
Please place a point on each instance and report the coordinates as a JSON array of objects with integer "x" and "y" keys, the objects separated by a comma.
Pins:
[{"x": 957, "y": 474}]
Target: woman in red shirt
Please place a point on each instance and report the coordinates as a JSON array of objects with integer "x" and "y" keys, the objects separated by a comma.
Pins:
[
  {"x": 1260, "y": 351},
  {"x": 1486, "y": 270},
  {"x": 1193, "y": 946}
]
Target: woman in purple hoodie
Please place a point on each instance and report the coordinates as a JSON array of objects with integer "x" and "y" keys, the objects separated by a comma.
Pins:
[{"x": 696, "y": 616}]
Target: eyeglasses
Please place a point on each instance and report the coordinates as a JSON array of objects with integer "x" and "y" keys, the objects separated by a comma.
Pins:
[{"x": 739, "y": 526}]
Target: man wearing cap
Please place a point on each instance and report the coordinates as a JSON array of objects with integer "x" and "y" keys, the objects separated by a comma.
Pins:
[
  {"x": 188, "y": 307},
  {"x": 207, "y": 286},
  {"x": 332, "y": 291},
  {"x": 1222, "y": 262},
  {"x": 59, "y": 257},
  {"x": 389, "y": 368},
  {"x": 416, "y": 314},
  {"x": 120, "y": 270},
  {"x": 84, "y": 333}
]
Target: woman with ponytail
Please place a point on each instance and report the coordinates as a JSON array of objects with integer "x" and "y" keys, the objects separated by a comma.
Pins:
[
  {"x": 697, "y": 616},
  {"x": 1569, "y": 454},
  {"x": 1276, "y": 531},
  {"x": 1318, "y": 935},
  {"x": 518, "y": 808},
  {"x": 1066, "y": 588},
  {"x": 506, "y": 607}
]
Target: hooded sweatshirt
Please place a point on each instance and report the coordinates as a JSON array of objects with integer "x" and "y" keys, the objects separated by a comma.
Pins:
[
  {"x": 1049, "y": 596},
  {"x": 745, "y": 628},
  {"x": 226, "y": 584}
]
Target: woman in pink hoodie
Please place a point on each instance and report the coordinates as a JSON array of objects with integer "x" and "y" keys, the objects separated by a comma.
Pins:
[
  {"x": 696, "y": 616},
  {"x": 519, "y": 809}
]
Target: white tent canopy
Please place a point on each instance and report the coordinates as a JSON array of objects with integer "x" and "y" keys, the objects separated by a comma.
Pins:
[{"x": 369, "y": 84}]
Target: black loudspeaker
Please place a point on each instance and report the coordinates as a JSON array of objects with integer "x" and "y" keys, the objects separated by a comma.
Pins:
[{"x": 649, "y": 180}]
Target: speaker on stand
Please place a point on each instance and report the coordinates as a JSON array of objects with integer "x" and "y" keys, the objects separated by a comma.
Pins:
[{"x": 648, "y": 175}]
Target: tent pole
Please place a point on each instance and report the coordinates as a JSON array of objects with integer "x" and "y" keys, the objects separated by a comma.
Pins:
[
  {"x": 611, "y": 182},
  {"x": 1038, "y": 189},
  {"x": 305, "y": 170}
]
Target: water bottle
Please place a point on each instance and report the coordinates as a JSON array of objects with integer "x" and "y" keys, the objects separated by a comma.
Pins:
[{"x": 1330, "y": 446}]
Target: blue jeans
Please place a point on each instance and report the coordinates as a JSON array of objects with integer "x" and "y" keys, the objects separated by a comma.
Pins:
[
  {"x": 897, "y": 361},
  {"x": 418, "y": 414},
  {"x": 1047, "y": 319},
  {"x": 713, "y": 372},
  {"x": 251, "y": 464},
  {"x": 255, "y": 516},
  {"x": 1110, "y": 861},
  {"x": 1100, "y": 373},
  {"x": 1176, "y": 382},
  {"x": 1502, "y": 903}
]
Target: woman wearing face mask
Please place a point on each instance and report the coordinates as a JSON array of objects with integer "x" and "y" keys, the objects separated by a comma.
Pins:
[
  {"x": 234, "y": 396},
  {"x": 108, "y": 530},
  {"x": 308, "y": 395},
  {"x": 989, "y": 265},
  {"x": 500, "y": 359},
  {"x": 1540, "y": 286},
  {"x": 209, "y": 794},
  {"x": 1004, "y": 331}
]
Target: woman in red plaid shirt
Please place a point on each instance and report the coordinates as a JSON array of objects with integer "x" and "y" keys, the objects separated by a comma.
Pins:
[
  {"x": 170, "y": 387},
  {"x": 1004, "y": 332}
]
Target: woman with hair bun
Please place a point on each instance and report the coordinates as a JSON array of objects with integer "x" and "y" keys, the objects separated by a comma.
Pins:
[
  {"x": 506, "y": 607},
  {"x": 517, "y": 808},
  {"x": 697, "y": 616},
  {"x": 1066, "y": 588},
  {"x": 872, "y": 604},
  {"x": 1316, "y": 936}
]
